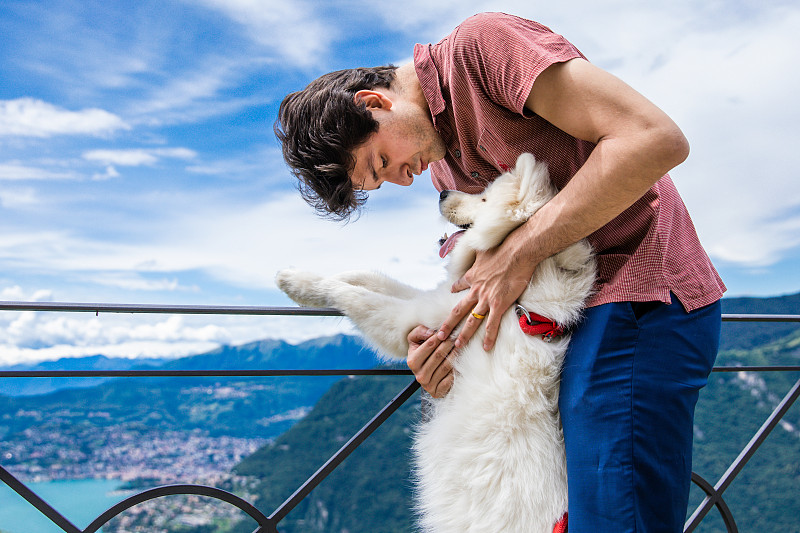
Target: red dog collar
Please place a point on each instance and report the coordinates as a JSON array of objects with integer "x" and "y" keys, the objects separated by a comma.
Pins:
[
  {"x": 534, "y": 324},
  {"x": 561, "y": 525}
]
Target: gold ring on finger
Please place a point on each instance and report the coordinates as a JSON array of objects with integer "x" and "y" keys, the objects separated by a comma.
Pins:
[{"x": 478, "y": 316}]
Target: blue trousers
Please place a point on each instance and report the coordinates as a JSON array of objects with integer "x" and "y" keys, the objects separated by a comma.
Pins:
[{"x": 629, "y": 387}]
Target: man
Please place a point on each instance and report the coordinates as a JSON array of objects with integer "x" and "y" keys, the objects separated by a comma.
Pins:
[{"x": 466, "y": 107}]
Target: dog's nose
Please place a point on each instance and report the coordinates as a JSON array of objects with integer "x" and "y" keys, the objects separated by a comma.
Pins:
[{"x": 443, "y": 195}]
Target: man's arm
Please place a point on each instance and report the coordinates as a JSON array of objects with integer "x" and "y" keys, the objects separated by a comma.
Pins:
[{"x": 636, "y": 144}]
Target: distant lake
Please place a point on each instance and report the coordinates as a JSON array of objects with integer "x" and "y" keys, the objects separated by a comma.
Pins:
[{"x": 79, "y": 501}]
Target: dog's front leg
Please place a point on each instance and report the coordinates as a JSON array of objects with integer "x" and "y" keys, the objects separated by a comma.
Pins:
[
  {"x": 384, "y": 320},
  {"x": 379, "y": 283}
]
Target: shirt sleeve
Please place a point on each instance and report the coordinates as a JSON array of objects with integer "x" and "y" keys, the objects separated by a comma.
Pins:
[{"x": 502, "y": 55}]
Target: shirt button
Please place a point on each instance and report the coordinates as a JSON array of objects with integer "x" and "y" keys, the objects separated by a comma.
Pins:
[
  {"x": 457, "y": 153},
  {"x": 475, "y": 175}
]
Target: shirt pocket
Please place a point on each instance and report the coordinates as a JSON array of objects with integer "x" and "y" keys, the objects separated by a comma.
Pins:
[{"x": 495, "y": 152}]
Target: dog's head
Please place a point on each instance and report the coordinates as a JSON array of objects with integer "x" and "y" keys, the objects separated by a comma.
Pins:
[{"x": 487, "y": 218}]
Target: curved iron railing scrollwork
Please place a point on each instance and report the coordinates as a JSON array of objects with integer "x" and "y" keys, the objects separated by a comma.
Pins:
[
  {"x": 173, "y": 490},
  {"x": 264, "y": 522},
  {"x": 719, "y": 503},
  {"x": 268, "y": 524}
]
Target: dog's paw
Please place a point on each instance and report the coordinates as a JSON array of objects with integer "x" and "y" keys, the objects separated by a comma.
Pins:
[{"x": 302, "y": 287}]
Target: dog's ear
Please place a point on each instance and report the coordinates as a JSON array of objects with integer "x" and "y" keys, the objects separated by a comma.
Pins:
[
  {"x": 535, "y": 187},
  {"x": 525, "y": 163}
]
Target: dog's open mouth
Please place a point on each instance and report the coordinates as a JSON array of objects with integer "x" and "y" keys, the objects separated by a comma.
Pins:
[{"x": 448, "y": 243}]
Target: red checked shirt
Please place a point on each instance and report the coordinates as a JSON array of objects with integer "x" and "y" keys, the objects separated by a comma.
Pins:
[{"x": 476, "y": 81}]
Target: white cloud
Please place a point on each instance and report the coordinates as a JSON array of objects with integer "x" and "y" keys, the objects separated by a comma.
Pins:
[
  {"x": 243, "y": 245},
  {"x": 34, "y": 335},
  {"x": 151, "y": 67},
  {"x": 37, "y": 336},
  {"x": 109, "y": 173},
  {"x": 15, "y": 293},
  {"x": 16, "y": 198},
  {"x": 130, "y": 158},
  {"x": 30, "y": 336},
  {"x": 137, "y": 157},
  {"x": 246, "y": 246},
  {"x": 15, "y": 171},
  {"x": 132, "y": 281},
  {"x": 735, "y": 102},
  {"x": 28, "y": 117},
  {"x": 92, "y": 336},
  {"x": 290, "y": 28},
  {"x": 195, "y": 93}
]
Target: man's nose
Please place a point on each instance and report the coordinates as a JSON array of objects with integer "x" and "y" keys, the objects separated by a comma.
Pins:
[{"x": 401, "y": 177}]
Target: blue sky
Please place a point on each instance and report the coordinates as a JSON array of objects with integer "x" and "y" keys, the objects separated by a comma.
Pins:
[{"x": 138, "y": 164}]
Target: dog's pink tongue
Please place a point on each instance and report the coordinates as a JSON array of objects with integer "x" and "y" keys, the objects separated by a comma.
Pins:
[{"x": 448, "y": 245}]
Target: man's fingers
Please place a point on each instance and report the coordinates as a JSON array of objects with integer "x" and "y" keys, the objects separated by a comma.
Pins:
[
  {"x": 432, "y": 366},
  {"x": 419, "y": 334},
  {"x": 452, "y": 320},
  {"x": 423, "y": 359},
  {"x": 462, "y": 309},
  {"x": 471, "y": 325},
  {"x": 419, "y": 354},
  {"x": 443, "y": 372},
  {"x": 492, "y": 327},
  {"x": 461, "y": 284},
  {"x": 444, "y": 386}
]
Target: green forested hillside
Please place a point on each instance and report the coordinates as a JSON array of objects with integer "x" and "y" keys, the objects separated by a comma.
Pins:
[
  {"x": 732, "y": 408},
  {"x": 370, "y": 491},
  {"x": 738, "y": 335}
]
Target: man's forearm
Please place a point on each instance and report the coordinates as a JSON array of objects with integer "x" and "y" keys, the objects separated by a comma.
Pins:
[{"x": 618, "y": 173}]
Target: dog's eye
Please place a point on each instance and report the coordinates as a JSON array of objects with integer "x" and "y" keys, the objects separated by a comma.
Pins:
[{"x": 483, "y": 199}]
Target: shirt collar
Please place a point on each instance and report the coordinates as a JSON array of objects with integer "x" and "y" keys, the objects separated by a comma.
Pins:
[{"x": 428, "y": 77}]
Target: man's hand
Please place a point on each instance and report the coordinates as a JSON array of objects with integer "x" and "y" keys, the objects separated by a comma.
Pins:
[
  {"x": 429, "y": 360},
  {"x": 495, "y": 281}
]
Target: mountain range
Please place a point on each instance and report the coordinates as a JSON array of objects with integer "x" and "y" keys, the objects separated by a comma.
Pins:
[
  {"x": 334, "y": 352},
  {"x": 240, "y": 407}
]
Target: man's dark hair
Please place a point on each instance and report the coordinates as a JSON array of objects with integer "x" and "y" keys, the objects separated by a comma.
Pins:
[{"x": 320, "y": 127}]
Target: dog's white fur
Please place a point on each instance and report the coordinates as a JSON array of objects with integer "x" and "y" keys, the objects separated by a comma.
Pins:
[{"x": 491, "y": 456}]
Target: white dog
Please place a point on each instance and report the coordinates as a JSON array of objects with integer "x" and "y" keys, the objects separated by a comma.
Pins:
[{"x": 491, "y": 457}]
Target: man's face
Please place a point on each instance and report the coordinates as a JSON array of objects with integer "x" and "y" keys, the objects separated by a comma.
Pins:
[{"x": 404, "y": 145}]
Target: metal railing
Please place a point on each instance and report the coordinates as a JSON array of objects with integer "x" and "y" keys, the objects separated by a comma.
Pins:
[{"x": 268, "y": 524}]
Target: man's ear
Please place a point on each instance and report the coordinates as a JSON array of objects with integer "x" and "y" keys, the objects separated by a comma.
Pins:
[{"x": 373, "y": 99}]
